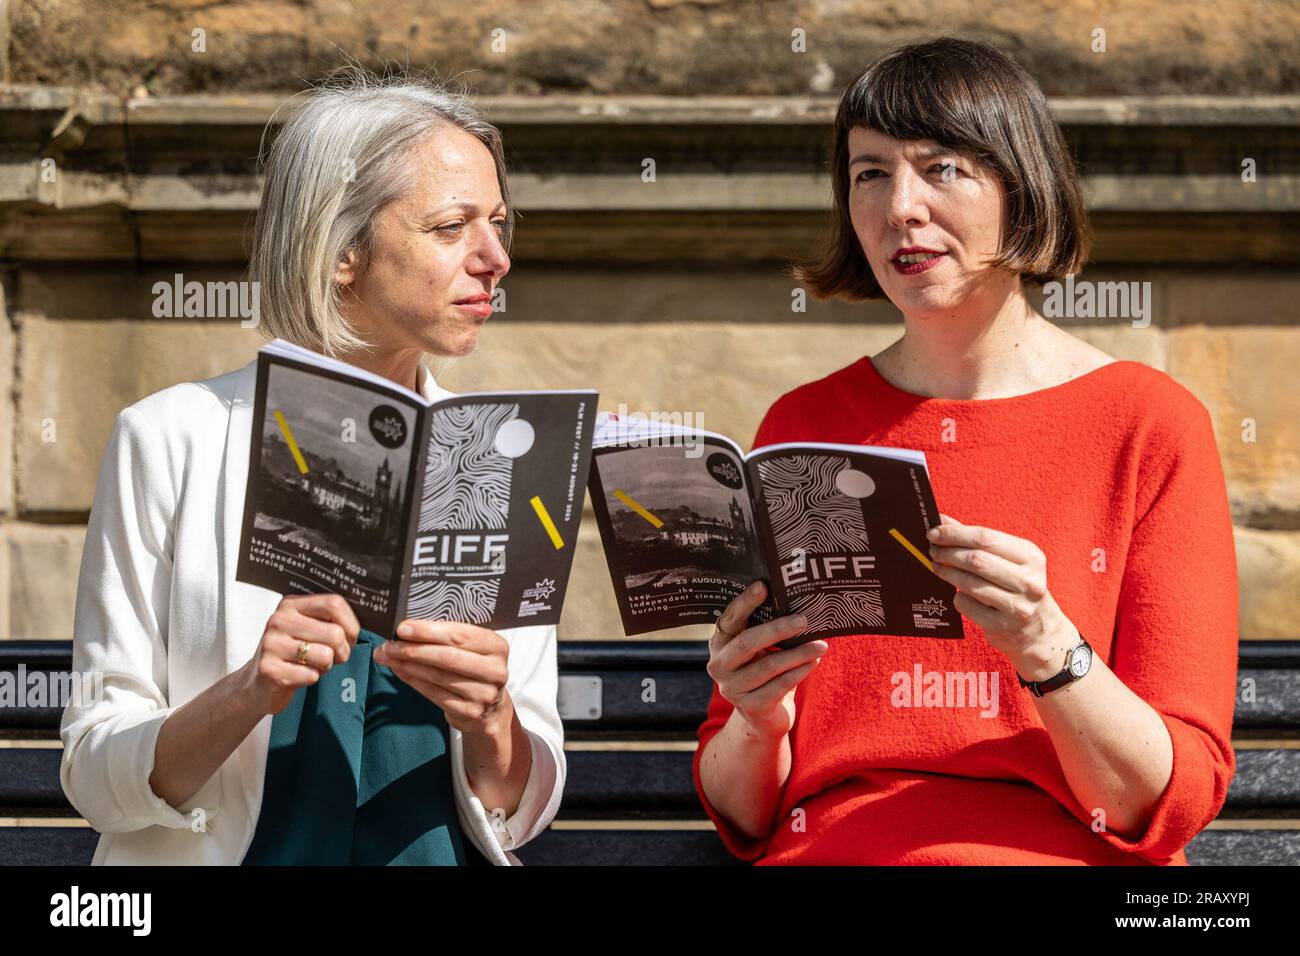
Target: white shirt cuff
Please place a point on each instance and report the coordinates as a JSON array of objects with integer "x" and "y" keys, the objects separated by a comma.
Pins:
[
  {"x": 120, "y": 753},
  {"x": 531, "y": 816}
]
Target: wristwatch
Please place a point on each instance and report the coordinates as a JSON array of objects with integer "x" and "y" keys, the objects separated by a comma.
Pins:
[{"x": 1077, "y": 663}]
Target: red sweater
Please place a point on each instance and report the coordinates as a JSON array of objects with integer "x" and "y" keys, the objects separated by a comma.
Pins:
[{"x": 1121, "y": 459}]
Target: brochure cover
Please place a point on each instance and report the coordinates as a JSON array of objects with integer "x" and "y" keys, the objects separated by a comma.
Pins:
[
  {"x": 463, "y": 509},
  {"x": 687, "y": 520}
]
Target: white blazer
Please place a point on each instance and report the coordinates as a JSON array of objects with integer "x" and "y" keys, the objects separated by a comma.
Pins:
[{"x": 160, "y": 615}]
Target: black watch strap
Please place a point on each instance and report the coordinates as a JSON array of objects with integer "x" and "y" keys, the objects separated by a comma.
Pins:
[{"x": 1065, "y": 676}]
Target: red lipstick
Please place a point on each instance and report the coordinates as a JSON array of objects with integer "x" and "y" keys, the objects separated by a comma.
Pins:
[{"x": 911, "y": 268}]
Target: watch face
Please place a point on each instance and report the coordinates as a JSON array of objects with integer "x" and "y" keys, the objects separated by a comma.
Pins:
[{"x": 1080, "y": 660}]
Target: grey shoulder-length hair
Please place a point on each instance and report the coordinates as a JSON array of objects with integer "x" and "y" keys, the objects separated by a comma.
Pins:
[{"x": 336, "y": 162}]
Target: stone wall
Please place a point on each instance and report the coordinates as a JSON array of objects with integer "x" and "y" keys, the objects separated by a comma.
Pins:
[
  {"x": 732, "y": 347},
  {"x": 674, "y": 47},
  {"x": 667, "y": 299}
]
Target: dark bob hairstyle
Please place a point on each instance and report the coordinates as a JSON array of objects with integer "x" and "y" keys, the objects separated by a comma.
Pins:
[{"x": 966, "y": 96}]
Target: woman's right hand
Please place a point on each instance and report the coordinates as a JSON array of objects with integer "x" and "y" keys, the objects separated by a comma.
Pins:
[
  {"x": 756, "y": 679},
  {"x": 329, "y": 626}
]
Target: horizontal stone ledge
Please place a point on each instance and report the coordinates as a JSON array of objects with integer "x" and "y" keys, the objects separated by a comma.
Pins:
[
  {"x": 758, "y": 292},
  {"x": 258, "y": 108},
  {"x": 1192, "y": 193},
  {"x": 111, "y": 234},
  {"x": 780, "y": 192}
]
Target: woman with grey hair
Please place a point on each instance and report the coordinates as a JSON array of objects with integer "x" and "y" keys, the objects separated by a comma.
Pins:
[{"x": 381, "y": 236}]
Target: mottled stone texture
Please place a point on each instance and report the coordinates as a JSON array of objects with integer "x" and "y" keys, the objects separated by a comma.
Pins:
[{"x": 688, "y": 47}]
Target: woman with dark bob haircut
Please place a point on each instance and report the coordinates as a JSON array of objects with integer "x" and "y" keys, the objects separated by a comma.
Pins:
[{"x": 1086, "y": 717}]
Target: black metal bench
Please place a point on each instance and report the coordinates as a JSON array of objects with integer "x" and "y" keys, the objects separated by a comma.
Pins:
[{"x": 630, "y": 798}]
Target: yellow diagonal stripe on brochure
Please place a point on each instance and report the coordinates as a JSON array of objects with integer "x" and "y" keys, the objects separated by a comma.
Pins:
[
  {"x": 911, "y": 547},
  {"x": 544, "y": 517},
  {"x": 628, "y": 500},
  {"x": 293, "y": 445}
]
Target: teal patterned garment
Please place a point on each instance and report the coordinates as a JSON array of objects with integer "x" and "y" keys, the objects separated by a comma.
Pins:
[{"x": 358, "y": 774}]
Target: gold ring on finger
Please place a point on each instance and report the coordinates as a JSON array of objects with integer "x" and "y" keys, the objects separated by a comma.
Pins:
[{"x": 303, "y": 647}]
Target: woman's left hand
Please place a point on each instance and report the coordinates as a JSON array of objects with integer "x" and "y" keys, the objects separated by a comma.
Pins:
[
  {"x": 460, "y": 667},
  {"x": 1001, "y": 583}
]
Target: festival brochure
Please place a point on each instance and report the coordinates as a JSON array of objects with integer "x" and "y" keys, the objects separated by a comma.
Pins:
[
  {"x": 465, "y": 508},
  {"x": 688, "y": 520}
]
